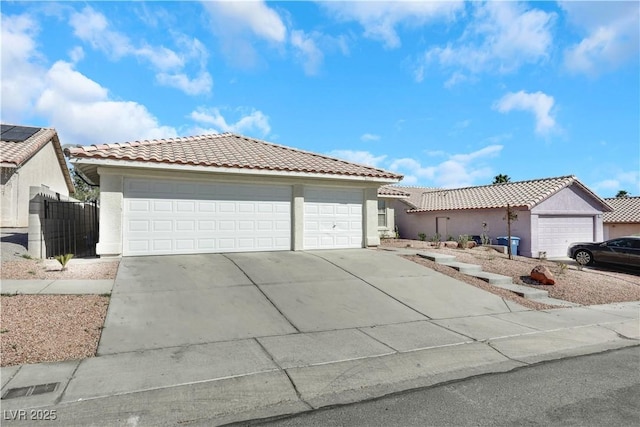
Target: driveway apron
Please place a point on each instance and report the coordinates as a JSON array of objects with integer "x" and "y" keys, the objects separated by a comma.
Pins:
[{"x": 181, "y": 300}]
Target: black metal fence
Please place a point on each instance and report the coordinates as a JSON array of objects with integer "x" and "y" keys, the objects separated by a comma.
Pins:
[{"x": 70, "y": 227}]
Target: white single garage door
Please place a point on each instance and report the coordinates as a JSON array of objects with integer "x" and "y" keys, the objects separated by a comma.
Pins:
[
  {"x": 556, "y": 233},
  {"x": 173, "y": 217},
  {"x": 332, "y": 218}
]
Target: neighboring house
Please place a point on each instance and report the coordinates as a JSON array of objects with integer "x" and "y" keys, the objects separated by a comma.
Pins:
[
  {"x": 31, "y": 156},
  {"x": 386, "y": 213},
  {"x": 625, "y": 218},
  {"x": 552, "y": 213},
  {"x": 228, "y": 193}
]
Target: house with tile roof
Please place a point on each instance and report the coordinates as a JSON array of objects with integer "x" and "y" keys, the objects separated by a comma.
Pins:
[
  {"x": 386, "y": 213},
  {"x": 29, "y": 156},
  {"x": 228, "y": 193},
  {"x": 624, "y": 220},
  {"x": 551, "y": 213}
]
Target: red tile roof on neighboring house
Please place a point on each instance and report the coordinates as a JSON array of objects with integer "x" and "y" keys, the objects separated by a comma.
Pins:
[
  {"x": 625, "y": 210},
  {"x": 391, "y": 191},
  {"x": 15, "y": 153},
  {"x": 415, "y": 194},
  {"x": 228, "y": 150},
  {"x": 525, "y": 194}
]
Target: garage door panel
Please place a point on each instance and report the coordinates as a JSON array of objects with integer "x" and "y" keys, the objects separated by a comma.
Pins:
[
  {"x": 556, "y": 233},
  {"x": 332, "y": 218},
  {"x": 165, "y": 217}
]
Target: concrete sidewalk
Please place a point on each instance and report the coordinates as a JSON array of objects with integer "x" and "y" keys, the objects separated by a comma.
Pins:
[
  {"x": 316, "y": 329},
  {"x": 56, "y": 287},
  {"x": 292, "y": 373}
]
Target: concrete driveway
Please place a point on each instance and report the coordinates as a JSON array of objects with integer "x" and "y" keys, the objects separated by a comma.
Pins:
[{"x": 170, "y": 301}]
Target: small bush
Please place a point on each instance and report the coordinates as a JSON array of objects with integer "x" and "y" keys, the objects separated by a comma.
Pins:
[
  {"x": 63, "y": 260},
  {"x": 422, "y": 237},
  {"x": 562, "y": 268},
  {"x": 463, "y": 240}
]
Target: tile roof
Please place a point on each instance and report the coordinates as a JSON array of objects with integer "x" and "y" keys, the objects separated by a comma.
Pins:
[
  {"x": 625, "y": 210},
  {"x": 18, "y": 152},
  {"x": 228, "y": 150},
  {"x": 415, "y": 194},
  {"x": 518, "y": 194},
  {"x": 392, "y": 191},
  {"x": 14, "y": 154}
]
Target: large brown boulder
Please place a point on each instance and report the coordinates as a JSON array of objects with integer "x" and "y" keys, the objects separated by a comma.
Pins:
[
  {"x": 451, "y": 244},
  {"x": 471, "y": 244},
  {"x": 543, "y": 275}
]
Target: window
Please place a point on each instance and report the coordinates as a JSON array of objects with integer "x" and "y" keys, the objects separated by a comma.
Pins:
[{"x": 382, "y": 213}]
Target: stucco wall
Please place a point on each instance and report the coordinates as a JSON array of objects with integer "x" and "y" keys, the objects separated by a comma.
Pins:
[
  {"x": 42, "y": 169},
  {"x": 112, "y": 198},
  {"x": 568, "y": 201},
  {"x": 612, "y": 231},
  {"x": 389, "y": 230},
  {"x": 463, "y": 222}
]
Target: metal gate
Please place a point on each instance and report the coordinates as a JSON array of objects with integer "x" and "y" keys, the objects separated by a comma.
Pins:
[{"x": 70, "y": 227}]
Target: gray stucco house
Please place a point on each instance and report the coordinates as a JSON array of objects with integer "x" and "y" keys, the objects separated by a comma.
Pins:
[{"x": 552, "y": 213}]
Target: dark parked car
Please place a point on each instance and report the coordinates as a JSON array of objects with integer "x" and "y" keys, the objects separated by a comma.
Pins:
[{"x": 621, "y": 251}]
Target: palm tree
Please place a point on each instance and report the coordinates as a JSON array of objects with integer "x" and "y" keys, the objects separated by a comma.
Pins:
[
  {"x": 500, "y": 179},
  {"x": 622, "y": 193}
]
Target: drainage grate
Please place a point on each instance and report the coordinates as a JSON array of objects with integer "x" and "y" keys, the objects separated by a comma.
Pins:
[{"x": 32, "y": 390}]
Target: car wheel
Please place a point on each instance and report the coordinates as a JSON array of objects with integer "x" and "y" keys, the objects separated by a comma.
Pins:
[{"x": 584, "y": 257}]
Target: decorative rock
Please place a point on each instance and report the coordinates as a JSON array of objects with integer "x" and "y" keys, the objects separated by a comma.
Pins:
[
  {"x": 451, "y": 244},
  {"x": 471, "y": 244},
  {"x": 543, "y": 275}
]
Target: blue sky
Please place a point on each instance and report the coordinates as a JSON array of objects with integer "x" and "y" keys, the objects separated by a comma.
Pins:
[{"x": 449, "y": 94}]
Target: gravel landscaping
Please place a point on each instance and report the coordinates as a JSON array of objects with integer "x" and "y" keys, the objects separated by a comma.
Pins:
[
  {"x": 50, "y": 328},
  {"x": 588, "y": 286}
]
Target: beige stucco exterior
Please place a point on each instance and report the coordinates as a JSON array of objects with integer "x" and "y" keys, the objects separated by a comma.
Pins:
[
  {"x": 42, "y": 169},
  {"x": 388, "y": 230},
  {"x": 570, "y": 202},
  {"x": 112, "y": 178},
  {"x": 615, "y": 230}
]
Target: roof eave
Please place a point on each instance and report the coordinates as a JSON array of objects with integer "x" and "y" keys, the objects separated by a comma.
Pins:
[{"x": 227, "y": 170}]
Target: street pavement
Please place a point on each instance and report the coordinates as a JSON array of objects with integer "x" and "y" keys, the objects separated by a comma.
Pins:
[
  {"x": 225, "y": 338},
  {"x": 594, "y": 390}
]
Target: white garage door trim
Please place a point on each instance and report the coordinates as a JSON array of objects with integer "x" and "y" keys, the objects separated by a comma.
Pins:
[
  {"x": 174, "y": 217},
  {"x": 556, "y": 233},
  {"x": 332, "y": 218}
]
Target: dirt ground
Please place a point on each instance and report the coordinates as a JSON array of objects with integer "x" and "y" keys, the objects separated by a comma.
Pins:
[{"x": 585, "y": 286}]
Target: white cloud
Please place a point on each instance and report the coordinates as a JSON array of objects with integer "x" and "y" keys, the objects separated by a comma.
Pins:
[
  {"x": 501, "y": 38},
  {"x": 89, "y": 116},
  {"x": 255, "y": 16},
  {"x": 21, "y": 66},
  {"x": 380, "y": 19},
  {"x": 360, "y": 157},
  {"x": 92, "y": 27},
  {"x": 612, "y": 35},
  {"x": 538, "y": 103},
  {"x": 250, "y": 122},
  {"x": 200, "y": 84},
  {"x": 370, "y": 137},
  {"x": 239, "y": 23},
  {"x": 76, "y": 54},
  {"x": 308, "y": 52},
  {"x": 619, "y": 180},
  {"x": 459, "y": 170}
]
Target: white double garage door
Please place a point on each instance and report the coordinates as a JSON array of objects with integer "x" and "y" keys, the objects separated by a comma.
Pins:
[{"x": 172, "y": 217}]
